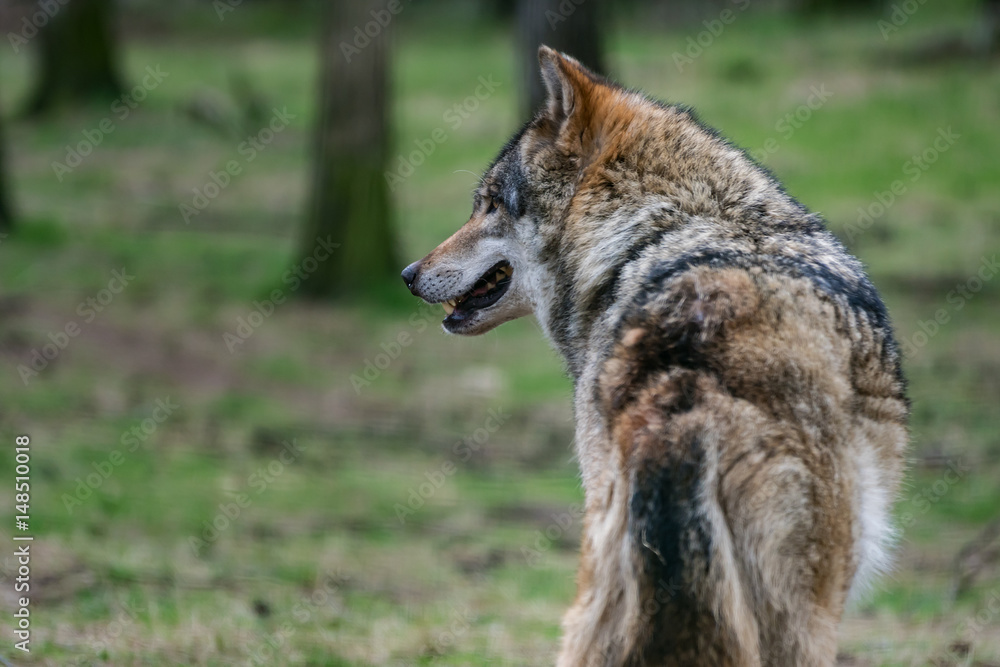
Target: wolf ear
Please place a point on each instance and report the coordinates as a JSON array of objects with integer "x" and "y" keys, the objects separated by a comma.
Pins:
[{"x": 567, "y": 82}]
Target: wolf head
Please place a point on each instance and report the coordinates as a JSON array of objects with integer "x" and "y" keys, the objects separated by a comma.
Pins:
[{"x": 598, "y": 174}]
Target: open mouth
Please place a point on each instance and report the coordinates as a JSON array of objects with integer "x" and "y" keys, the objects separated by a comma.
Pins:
[{"x": 489, "y": 289}]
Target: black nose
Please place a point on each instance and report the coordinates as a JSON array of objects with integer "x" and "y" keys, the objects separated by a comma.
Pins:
[{"x": 410, "y": 274}]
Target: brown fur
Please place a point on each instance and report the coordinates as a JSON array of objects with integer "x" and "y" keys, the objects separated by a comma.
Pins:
[
  {"x": 773, "y": 411},
  {"x": 741, "y": 416}
]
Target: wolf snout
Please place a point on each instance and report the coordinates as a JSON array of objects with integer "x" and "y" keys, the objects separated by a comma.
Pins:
[{"x": 409, "y": 275}]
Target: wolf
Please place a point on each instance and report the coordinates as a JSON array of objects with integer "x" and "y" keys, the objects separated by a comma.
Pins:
[{"x": 741, "y": 415}]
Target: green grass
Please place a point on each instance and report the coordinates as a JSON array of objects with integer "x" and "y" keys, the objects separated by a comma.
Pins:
[{"x": 318, "y": 562}]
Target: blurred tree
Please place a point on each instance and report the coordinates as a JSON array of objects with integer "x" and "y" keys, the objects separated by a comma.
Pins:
[
  {"x": 571, "y": 26},
  {"x": 503, "y": 10},
  {"x": 980, "y": 42},
  {"x": 79, "y": 56},
  {"x": 6, "y": 215},
  {"x": 833, "y": 6},
  {"x": 991, "y": 25},
  {"x": 350, "y": 202}
]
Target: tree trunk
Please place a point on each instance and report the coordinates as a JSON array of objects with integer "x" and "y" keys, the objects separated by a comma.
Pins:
[
  {"x": 6, "y": 215},
  {"x": 840, "y": 6},
  {"x": 350, "y": 203},
  {"x": 79, "y": 57},
  {"x": 570, "y": 26},
  {"x": 991, "y": 25}
]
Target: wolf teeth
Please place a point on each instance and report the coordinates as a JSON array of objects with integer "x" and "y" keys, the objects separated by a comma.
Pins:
[{"x": 503, "y": 272}]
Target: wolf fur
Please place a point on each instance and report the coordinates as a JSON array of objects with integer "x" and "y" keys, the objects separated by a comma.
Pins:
[{"x": 741, "y": 412}]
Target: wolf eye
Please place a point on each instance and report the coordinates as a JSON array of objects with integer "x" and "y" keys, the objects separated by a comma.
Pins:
[{"x": 493, "y": 205}]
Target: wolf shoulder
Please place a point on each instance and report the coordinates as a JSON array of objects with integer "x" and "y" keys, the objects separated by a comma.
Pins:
[{"x": 779, "y": 326}]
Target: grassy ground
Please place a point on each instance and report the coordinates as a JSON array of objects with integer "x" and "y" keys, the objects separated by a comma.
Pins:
[{"x": 322, "y": 494}]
